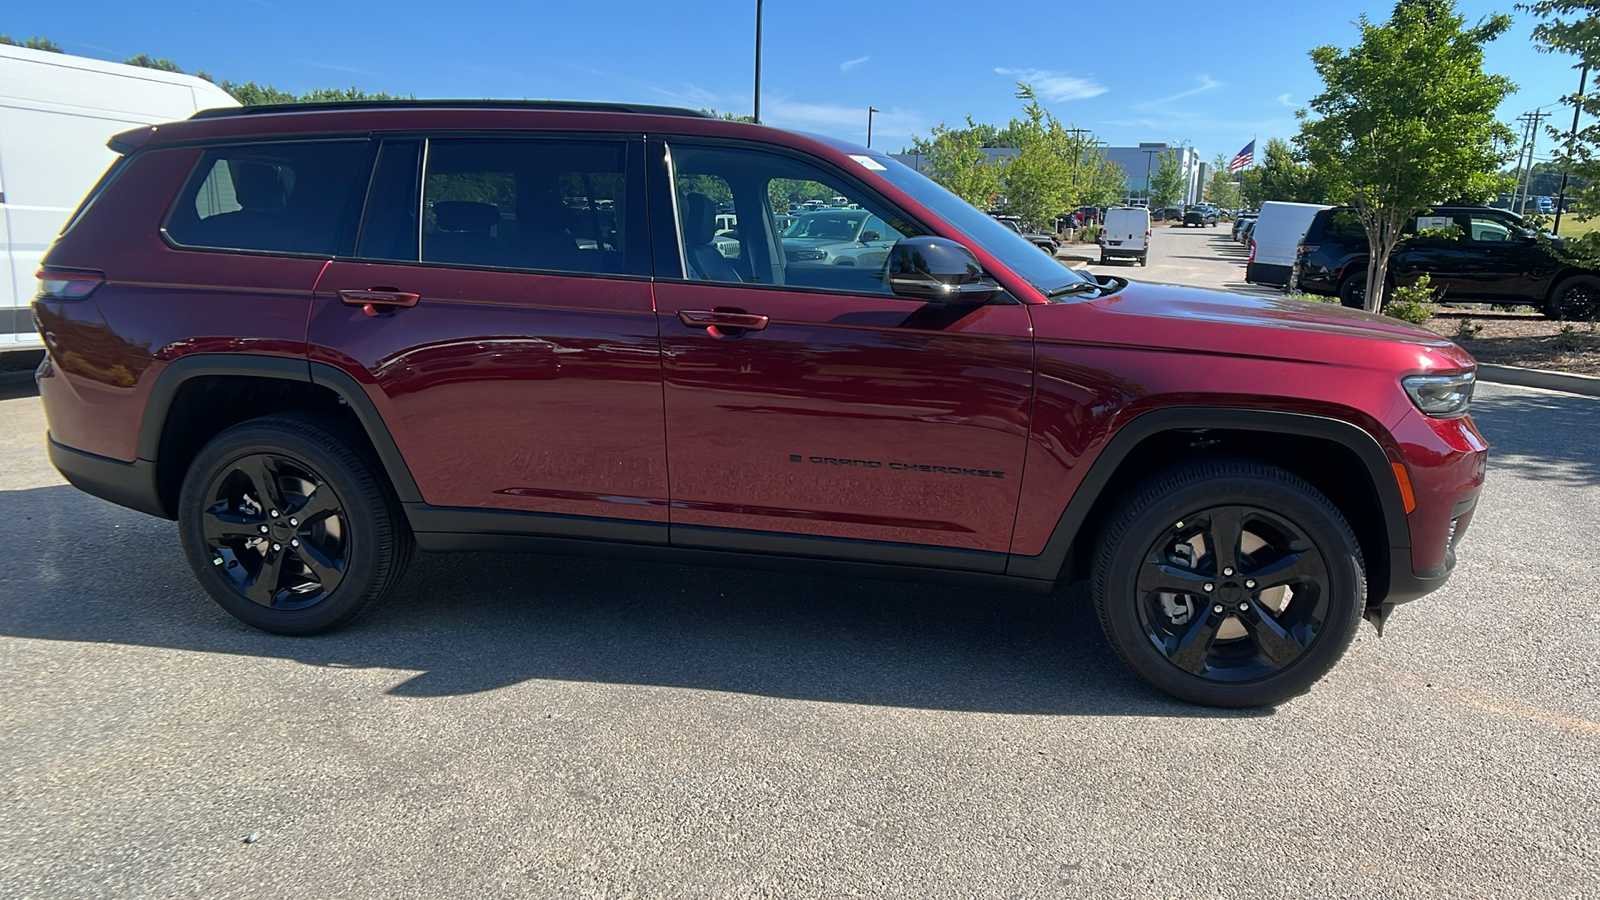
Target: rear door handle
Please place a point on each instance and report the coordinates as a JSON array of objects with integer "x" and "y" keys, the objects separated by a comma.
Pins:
[
  {"x": 722, "y": 319},
  {"x": 377, "y": 301}
]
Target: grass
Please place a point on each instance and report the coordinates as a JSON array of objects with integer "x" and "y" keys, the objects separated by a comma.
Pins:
[{"x": 1572, "y": 226}]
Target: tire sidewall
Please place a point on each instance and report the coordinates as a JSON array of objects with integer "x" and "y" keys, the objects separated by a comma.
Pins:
[
  {"x": 1328, "y": 533},
  {"x": 360, "y": 521}
]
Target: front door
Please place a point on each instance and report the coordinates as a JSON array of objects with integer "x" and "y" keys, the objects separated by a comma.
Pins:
[
  {"x": 502, "y": 323},
  {"x": 811, "y": 411}
]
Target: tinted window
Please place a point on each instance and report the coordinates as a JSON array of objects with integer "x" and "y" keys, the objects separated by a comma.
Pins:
[
  {"x": 526, "y": 204},
  {"x": 833, "y": 236},
  {"x": 286, "y": 198},
  {"x": 389, "y": 225}
]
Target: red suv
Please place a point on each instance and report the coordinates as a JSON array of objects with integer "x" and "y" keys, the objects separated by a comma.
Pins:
[{"x": 322, "y": 336}]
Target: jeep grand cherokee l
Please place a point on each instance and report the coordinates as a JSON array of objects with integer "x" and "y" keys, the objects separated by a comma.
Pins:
[{"x": 320, "y": 337}]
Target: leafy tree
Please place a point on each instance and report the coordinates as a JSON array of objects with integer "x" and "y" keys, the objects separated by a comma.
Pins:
[
  {"x": 1406, "y": 119},
  {"x": 955, "y": 159},
  {"x": 1223, "y": 189},
  {"x": 33, "y": 43},
  {"x": 1572, "y": 27},
  {"x": 1283, "y": 177},
  {"x": 1166, "y": 185},
  {"x": 252, "y": 94},
  {"x": 144, "y": 60}
]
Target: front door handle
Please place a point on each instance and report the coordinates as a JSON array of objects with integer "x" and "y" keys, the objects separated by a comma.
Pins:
[
  {"x": 379, "y": 300},
  {"x": 722, "y": 321}
]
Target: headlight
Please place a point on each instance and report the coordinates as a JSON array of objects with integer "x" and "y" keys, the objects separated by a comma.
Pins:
[
  {"x": 809, "y": 254},
  {"x": 1441, "y": 395}
]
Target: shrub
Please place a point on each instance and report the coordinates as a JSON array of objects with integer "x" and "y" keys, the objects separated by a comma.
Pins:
[
  {"x": 1090, "y": 234},
  {"x": 1569, "y": 340},
  {"x": 1411, "y": 304},
  {"x": 1314, "y": 298},
  {"x": 1466, "y": 330}
]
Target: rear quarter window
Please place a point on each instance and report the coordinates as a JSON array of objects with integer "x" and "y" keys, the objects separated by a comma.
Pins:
[{"x": 274, "y": 198}]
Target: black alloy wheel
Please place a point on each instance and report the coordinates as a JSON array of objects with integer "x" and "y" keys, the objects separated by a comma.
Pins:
[
  {"x": 1229, "y": 583},
  {"x": 1575, "y": 299},
  {"x": 1353, "y": 292},
  {"x": 289, "y": 525},
  {"x": 277, "y": 530}
]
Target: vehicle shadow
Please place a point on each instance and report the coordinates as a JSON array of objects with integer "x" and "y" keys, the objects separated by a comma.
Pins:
[
  {"x": 1546, "y": 436},
  {"x": 15, "y": 385},
  {"x": 87, "y": 571}
]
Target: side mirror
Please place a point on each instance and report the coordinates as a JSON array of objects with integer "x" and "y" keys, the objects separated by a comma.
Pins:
[
  {"x": 868, "y": 237},
  {"x": 939, "y": 269}
]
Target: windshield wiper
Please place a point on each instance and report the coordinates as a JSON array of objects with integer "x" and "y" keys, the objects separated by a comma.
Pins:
[{"x": 1078, "y": 288}]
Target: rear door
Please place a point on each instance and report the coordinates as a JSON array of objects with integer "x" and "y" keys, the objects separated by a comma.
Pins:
[
  {"x": 809, "y": 410},
  {"x": 498, "y": 313}
]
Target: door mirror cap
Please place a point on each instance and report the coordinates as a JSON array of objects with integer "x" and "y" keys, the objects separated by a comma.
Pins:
[
  {"x": 939, "y": 269},
  {"x": 868, "y": 237}
]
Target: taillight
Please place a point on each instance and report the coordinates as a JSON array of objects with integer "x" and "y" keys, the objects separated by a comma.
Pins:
[
  {"x": 1252, "y": 251},
  {"x": 67, "y": 285},
  {"x": 1303, "y": 249}
]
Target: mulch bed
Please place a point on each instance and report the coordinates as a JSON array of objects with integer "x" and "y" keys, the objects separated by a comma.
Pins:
[{"x": 1528, "y": 340}]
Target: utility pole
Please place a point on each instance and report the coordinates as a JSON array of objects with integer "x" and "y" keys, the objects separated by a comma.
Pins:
[
  {"x": 1577, "y": 107},
  {"x": 870, "y": 111},
  {"x": 1532, "y": 119},
  {"x": 758, "y": 63}
]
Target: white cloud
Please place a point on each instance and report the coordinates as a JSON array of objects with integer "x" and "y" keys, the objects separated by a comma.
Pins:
[
  {"x": 1287, "y": 100},
  {"x": 849, "y": 64},
  {"x": 1206, "y": 84},
  {"x": 1056, "y": 86}
]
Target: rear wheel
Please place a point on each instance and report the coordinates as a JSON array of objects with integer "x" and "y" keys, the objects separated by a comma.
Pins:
[
  {"x": 1576, "y": 298},
  {"x": 1229, "y": 583},
  {"x": 1353, "y": 291},
  {"x": 288, "y": 527}
]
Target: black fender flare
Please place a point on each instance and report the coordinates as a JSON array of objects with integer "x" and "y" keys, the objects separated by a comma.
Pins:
[
  {"x": 1049, "y": 564},
  {"x": 197, "y": 365}
]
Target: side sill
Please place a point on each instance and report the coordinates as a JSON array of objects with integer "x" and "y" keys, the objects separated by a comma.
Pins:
[
  {"x": 455, "y": 542},
  {"x": 130, "y": 484}
]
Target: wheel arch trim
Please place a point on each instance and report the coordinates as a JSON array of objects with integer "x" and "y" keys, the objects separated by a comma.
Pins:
[
  {"x": 184, "y": 369},
  {"x": 1049, "y": 564}
]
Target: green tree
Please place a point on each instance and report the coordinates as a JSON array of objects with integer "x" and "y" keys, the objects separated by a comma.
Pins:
[
  {"x": 252, "y": 94},
  {"x": 145, "y": 61},
  {"x": 1283, "y": 177},
  {"x": 33, "y": 43},
  {"x": 1166, "y": 185},
  {"x": 1572, "y": 27},
  {"x": 954, "y": 157},
  {"x": 1224, "y": 188},
  {"x": 1406, "y": 119}
]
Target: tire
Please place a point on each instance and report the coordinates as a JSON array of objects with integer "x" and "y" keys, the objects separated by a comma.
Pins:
[
  {"x": 326, "y": 541},
  {"x": 1269, "y": 643},
  {"x": 1353, "y": 291},
  {"x": 1574, "y": 299},
  {"x": 1144, "y": 259}
]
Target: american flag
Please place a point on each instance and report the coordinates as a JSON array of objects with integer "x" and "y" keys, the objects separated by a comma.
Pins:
[{"x": 1244, "y": 157}]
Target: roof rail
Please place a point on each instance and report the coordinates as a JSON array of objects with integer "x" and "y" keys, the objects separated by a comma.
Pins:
[{"x": 554, "y": 105}]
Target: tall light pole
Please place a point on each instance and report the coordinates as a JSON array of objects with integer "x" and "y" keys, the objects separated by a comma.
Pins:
[
  {"x": 870, "y": 111},
  {"x": 758, "y": 62},
  {"x": 1148, "y": 156},
  {"x": 1577, "y": 106}
]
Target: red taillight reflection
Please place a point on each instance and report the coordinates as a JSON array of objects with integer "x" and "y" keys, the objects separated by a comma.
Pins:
[
  {"x": 67, "y": 285},
  {"x": 1252, "y": 252}
]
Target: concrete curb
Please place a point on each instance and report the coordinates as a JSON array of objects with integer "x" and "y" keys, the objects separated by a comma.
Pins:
[{"x": 1539, "y": 378}]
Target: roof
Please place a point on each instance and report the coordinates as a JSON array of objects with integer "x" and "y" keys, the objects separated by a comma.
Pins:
[{"x": 354, "y": 105}]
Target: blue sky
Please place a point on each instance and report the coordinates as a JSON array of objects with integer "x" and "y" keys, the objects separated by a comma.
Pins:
[{"x": 1160, "y": 70}]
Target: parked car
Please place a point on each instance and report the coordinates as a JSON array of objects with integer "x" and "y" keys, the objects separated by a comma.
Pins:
[
  {"x": 1168, "y": 214},
  {"x": 838, "y": 237},
  {"x": 1239, "y": 222},
  {"x": 309, "y": 335},
  {"x": 1126, "y": 235},
  {"x": 1470, "y": 253},
  {"x": 1200, "y": 215},
  {"x": 1046, "y": 242},
  {"x": 1274, "y": 240}
]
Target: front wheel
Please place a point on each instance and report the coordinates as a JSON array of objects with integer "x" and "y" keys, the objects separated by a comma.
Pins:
[
  {"x": 1229, "y": 583},
  {"x": 1353, "y": 292},
  {"x": 289, "y": 527}
]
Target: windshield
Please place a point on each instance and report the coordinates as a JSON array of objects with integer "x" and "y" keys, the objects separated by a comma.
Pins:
[
  {"x": 825, "y": 225},
  {"x": 1011, "y": 248}
]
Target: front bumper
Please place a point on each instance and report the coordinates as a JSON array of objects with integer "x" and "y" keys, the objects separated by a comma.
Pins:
[{"x": 1445, "y": 460}]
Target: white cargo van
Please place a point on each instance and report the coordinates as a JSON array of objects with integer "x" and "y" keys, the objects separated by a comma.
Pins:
[
  {"x": 56, "y": 114},
  {"x": 1274, "y": 243},
  {"x": 1126, "y": 234}
]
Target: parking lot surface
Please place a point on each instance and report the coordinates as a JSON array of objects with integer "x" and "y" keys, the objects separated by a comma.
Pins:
[
  {"x": 544, "y": 726},
  {"x": 1199, "y": 257}
]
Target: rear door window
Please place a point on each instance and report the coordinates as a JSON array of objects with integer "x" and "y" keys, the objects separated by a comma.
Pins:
[
  {"x": 551, "y": 205},
  {"x": 290, "y": 198}
]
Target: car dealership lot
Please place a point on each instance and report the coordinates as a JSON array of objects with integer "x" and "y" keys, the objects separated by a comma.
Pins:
[{"x": 563, "y": 726}]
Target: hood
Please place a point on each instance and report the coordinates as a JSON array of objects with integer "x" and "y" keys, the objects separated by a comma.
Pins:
[{"x": 1183, "y": 318}]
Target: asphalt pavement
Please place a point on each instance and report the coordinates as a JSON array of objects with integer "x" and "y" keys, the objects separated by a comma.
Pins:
[{"x": 540, "y": 726}]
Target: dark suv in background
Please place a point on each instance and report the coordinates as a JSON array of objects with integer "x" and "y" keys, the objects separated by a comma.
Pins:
[
  {"x": 320, "y": 337},
  {"x": 1470, "y": 253}
]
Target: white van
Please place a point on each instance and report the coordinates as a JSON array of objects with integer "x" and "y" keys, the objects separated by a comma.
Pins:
[
  {"x": 56, "y": 114},
  {"x": 1276, "y": 239},
  {"x": 1126, "y": 234}
]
